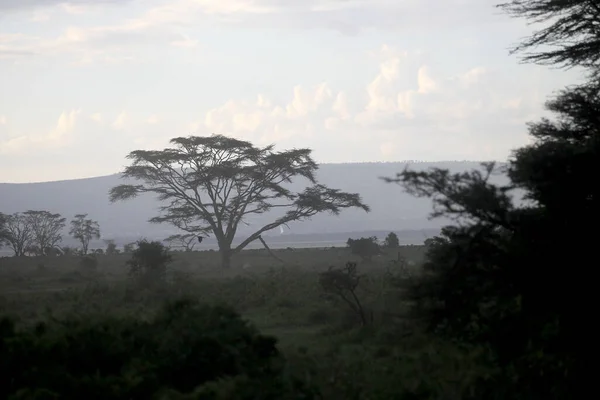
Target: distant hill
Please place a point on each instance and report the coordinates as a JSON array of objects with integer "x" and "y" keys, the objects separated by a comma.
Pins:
[{"x": 392, "y": 208}]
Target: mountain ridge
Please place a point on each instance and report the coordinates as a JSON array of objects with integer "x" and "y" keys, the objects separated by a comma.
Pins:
[{"x": 390, "y": 205}]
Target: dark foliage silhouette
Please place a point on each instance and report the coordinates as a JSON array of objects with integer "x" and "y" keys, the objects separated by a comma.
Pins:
[{"x": 183, "y": 347}]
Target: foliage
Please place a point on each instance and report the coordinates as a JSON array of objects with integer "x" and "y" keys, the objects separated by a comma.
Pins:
[
  {"x": 571, "y": 39},
  {"x": 493, "y": 277},
  {"x": 17, "y": 233},
  {"x": 391, "y": 241},
  {"x": 129, "y": 247},
  {"x": 182, "y": 349},
  {"x": 46, "y": 230},
  {"x": 89, "y": 261},
  {"x": 186, "y": 241},
  {"x": 111, "y": 247},
  {"x": 148, "y": 263},
  {"x": 343, "y": 282},
  {"x": 365, "y": 248},
  {"x": 84, "y": 230},
  {"x": 3, "y": 231},
  {"x": 212, "y": 184}
]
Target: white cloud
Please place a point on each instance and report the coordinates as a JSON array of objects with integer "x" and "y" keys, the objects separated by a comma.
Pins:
[
  {"x": 96, "y": 117},
  {"x": 160, "y": 22},
  {"x": 153, "y": 120},
  {"x": 58, "y": 137},
  {"x": 120, "y": 122},
  {"x": 407, "y": 110},
  {"x": 3, "y": 119}
]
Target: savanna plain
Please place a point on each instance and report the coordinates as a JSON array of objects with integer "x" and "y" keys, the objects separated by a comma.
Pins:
[{"x": 347, "y": 340}]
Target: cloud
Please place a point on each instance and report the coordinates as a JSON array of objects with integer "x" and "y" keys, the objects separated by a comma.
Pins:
[
  {"x": 58, "y": 137},
  {"x": 3, "y": 120},
  {"x": 160, "y": 22},
  {"x": 96, "y": 117},
  {"x": 120, "y": 123},
  {"x": 16, "y": 5},
  {"x": 153, "y": 120},
  {"x": 409, "y": 110}
]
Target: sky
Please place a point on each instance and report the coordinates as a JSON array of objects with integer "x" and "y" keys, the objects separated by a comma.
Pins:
[{"x": 83, "y": 83}]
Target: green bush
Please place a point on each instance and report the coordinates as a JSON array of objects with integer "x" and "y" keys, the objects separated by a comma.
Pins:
[
  {"x": 185, "y": 349},
  {"x": 148, "y": 264}
]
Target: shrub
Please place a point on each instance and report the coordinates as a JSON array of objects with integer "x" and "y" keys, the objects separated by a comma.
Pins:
[
  {"x": 148, "y": 264},
  {"x": 89, "y": 261},
  {"x": 187, "y": 347}
]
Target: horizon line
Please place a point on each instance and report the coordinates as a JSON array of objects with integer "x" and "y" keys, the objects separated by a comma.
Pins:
[{"x": 320, "y": 164}]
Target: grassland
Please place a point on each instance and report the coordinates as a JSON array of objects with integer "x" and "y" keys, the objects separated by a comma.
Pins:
[{"x": 319, "y": 334}]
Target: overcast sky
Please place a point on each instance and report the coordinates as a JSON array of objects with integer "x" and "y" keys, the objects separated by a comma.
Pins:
[{"x": 84, "y": 82}]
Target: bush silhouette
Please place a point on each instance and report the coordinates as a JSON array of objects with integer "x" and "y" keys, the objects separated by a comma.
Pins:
[
  {"x": 185, "y": 346},
  {"x": 365, "y": 248},
  {"x": 148, "y": 263}
]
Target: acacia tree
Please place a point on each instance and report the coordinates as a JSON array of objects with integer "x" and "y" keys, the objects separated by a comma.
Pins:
[
  {"x": 17, "y": 233},
  {"x": 572, "y": 39},
  {"x": 213, "y": 183},
  {"x": 391, "y": 241},
  {"x": 2, "y": 229},
  {"x": 84, "y": 230},
  {"x": 493, "y": 276},
  {"x": 187, "y": 241},
  {"x": 46, "y": 230}
]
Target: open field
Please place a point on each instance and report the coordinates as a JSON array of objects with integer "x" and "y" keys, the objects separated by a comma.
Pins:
[{"x": 321, "y": 336}]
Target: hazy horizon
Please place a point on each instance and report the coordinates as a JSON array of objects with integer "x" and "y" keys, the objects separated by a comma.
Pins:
[{"x": 320, "y": 164}]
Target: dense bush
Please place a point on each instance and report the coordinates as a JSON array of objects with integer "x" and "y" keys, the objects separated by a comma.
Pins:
[
  {"x": 186, "y": 348},
  {"x": 148, "y": 264}
]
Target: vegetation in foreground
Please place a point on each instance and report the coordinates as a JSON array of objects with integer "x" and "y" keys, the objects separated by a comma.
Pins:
[{"x": 109, "y": 332}]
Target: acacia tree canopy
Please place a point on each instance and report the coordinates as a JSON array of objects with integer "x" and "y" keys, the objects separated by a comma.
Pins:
[
  {"x": 46, "y": 229},
  {"x": 17, "y": 233},
  {"x": 84, "y": 230},
  {"x": 213, "y": 183},
  {"x": 571, "y": 39}
]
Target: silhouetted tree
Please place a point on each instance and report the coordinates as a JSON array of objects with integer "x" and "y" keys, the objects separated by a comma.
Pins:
[
  {"x": 148, "y": 263},
  {"x": 17, "y": 233},
  {"x": 3, "y": 232},
  {"x": 365, "y": 248},
  {"x": 129, "y": 247},
  {"x": 186, "y": 241},
  {"x": 571, "y": 39},
  {"x": 84, "y": 230},
  {"x": 213, "y": 183},
  {"x": 111, "y": 247},
  {"x": 46, "y": 229},
  {"x": 391, "y": 241},
  {"x": 494, "y": 276}
]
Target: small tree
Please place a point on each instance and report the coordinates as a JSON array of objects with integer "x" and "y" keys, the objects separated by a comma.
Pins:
[
  {"x": 391, "y": 241},
  {"x": 186, "y": 241},
  {"x": 111, "y": 247},
  {"x": 148, "y": 263},
  {"x": 214, "y": 183},
  {"x": 84, "y": 230},
  {"x": 2, "y": 229},
  {"x": 46, "y": 229},
  {"x": 17, "y": 233},
  {"x": 365, "y": 248},
  {"x": 343, "y": 283}
]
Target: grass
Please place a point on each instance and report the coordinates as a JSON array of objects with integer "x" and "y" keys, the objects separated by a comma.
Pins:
[{"x": 319, "y": 335}]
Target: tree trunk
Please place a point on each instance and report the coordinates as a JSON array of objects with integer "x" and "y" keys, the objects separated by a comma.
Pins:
[{"x": 226, "y": 257}]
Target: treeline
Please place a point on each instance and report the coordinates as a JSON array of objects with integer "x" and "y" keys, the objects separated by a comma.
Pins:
[{"x": 40, "y": 232}]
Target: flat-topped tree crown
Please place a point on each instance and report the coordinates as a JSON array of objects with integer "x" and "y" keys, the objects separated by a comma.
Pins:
[{"x": 212, "y": 183}]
